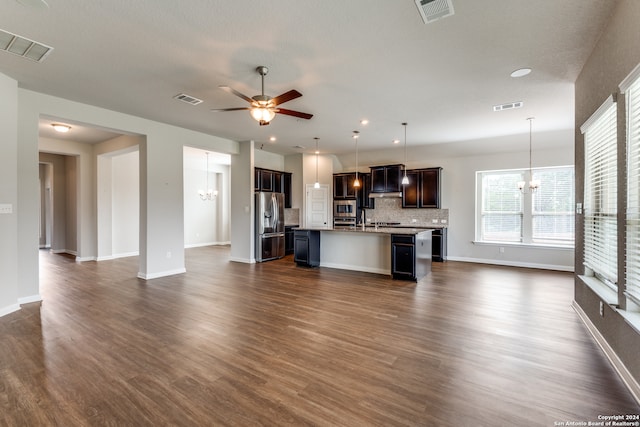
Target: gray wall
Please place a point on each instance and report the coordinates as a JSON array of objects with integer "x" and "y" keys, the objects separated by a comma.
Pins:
[{"x": 613, "y": 58}]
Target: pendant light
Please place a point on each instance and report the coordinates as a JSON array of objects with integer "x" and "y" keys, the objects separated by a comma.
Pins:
[
  {"x": 317, "y": 184},
  {"x": 533, "y": 184},
  {"x": 405, "y": 179},
  {"x": 356, "y": 135}
]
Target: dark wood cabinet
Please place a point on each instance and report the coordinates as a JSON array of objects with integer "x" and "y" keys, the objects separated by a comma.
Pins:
[
  {"x": 423, "y": 190},
  {"x": 306, "y": 247},
  {"x": 343, "y": 185},
  {"x": 364, "y": 201},
  {"x": 288, "y": 238},
  {"x": 411, "y": 255},
  {"x": 276, "y": 181},
  {"x": 386, "y": 179},
  {"x": 439, "y": 244},
  {"x": 286, "y": 188}
]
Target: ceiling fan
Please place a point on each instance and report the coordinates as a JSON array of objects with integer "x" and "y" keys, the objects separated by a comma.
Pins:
[{"x": 263, "y": 107}]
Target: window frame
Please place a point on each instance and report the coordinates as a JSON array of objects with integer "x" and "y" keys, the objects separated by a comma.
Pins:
[{"x": 527, "y": 214}]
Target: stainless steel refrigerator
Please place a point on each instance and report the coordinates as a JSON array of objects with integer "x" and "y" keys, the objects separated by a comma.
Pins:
[{"x": 269, "y": 226}]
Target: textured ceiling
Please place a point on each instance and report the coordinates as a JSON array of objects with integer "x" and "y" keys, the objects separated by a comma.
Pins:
[{"x": 355, "y": 59}]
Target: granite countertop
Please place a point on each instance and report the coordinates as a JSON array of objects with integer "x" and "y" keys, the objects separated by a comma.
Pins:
[{"x": 379, "y": 230}]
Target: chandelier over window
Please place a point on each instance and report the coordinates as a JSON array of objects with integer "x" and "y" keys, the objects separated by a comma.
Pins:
[{"x": 533, "y": 184}]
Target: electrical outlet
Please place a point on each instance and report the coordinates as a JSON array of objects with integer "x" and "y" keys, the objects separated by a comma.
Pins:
[
  {"x": 168, "y": 254},
  {"x": 601, "y": 309},
  {"x": 444, "y": 221},
  {"x": 501, "y": 249},
  {"x": 413, "y": 220},
  {"x": 435, "y": 221}
]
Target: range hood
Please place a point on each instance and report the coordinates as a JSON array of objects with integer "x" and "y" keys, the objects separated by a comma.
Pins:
[{"x": 395, "y": 194}]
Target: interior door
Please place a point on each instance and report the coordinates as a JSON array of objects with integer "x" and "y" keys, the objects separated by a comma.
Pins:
[{"x": 317, "y": 206}]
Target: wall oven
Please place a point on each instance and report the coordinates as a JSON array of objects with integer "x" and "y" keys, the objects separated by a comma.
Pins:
[{"x": 344, "y": 213}]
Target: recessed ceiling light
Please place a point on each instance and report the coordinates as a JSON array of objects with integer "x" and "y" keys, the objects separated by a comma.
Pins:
[
  {"x": 396, "y": 141},
  {"x": 272, "y": 139},
  {"x": 521, "y": 72},
  {"x": 364, "y": 122},
  {"x": 61, "y": 128}
]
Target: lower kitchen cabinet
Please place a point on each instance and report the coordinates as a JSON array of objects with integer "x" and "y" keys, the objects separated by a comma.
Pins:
[
  {"x": 411, "y": 255},
  {"x": 288, "y": 239},
  {"x": 439, "y": 244},
  {"x": 306, "y": 247}
]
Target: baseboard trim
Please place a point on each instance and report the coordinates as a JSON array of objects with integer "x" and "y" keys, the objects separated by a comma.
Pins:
[
  {"x": 513, "y": 263},
  {"x": 30, "y": 299},
  {"x": 243, "y": 260},
  {"x": 162, "y": 274},
  {"x": 199, "y": 245},
  {"x": 355, "y": 268},
  {"x": 617, "y": 364},
  {"x": 86, "y": 258},
  {"x": 9, "y": 309}
]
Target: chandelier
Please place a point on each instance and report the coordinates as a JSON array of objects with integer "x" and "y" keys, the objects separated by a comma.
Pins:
[
  {"x": 533, "y": 184},
  {"x": 209, "y": 194}
]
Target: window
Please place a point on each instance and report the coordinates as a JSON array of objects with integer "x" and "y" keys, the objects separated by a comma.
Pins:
[
  {"x": 600, "y": 193},
  {"x": 632, "y": 266},
  {"x": 545, "y": 217},
  {"x": 553, "y": 202},
  {"x": 501, "y": 212}
]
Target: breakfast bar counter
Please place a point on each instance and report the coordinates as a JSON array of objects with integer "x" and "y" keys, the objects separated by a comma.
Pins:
[{"x": 403, "y": 253}]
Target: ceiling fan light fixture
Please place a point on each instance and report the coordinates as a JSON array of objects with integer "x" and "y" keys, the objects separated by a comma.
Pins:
[{"x": 262, "y": 115}]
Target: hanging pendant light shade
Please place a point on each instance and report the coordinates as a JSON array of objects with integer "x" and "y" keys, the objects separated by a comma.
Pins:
[
  {"x": 405, "y": 179},
  {"x": 356, "y": 135},
  {"x": 317, "y": 184}
]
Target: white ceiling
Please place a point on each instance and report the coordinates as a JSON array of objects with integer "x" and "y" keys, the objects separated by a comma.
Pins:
[{"x": 354, "y": 59}]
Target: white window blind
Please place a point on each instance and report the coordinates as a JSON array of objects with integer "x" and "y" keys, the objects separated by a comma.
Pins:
[
  {"x": 632, "y": 266},
  {"x": 501, "y": 209},
  {"x": 552, "y": 206},
  {"x": 600, "y": 193}
]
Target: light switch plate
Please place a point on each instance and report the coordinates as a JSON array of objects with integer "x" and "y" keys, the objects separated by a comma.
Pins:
[{"x": 6, "y": 208}]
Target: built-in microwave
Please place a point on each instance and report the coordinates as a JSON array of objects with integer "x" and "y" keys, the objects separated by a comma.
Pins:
[{"x": 344, "y": 208}]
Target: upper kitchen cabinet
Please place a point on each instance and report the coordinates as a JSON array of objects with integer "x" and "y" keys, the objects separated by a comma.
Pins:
[
  {"x": 343, "y": 185},
  {"x": 275, "y": 181},
  {"x": 386, "y": 179},
  {"x": 423, "y": 190},
  {"x": 364, "y": 201}
]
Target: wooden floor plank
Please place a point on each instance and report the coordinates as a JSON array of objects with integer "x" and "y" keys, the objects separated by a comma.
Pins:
[{"x": 276, "y": 344}]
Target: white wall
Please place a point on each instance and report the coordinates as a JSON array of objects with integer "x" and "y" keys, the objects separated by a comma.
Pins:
[
  {"x": 9, "y": 285},
  {"x": 460, "y": 163},
  {"x": 207, "y": 222},
  {"x": 161, "y": 182},
  {"x": 126, "y": 204},
  {"x": 243, "y": 204}
]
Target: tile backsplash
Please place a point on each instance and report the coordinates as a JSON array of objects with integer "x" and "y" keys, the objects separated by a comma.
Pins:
[
  {"x": 390, "y": 210},
  {"x": 292, "y": 216}
]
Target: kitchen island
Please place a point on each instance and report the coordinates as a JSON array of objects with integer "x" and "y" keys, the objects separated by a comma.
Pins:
[{"x": 403, "y": 253}]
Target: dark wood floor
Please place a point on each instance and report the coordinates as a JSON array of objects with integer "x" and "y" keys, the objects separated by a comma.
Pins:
[{"x": 275, "y": 344}]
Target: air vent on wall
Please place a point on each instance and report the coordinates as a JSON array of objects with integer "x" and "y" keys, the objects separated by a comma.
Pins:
[
  {"x": 432, "y": 10},
  {"x": 508, "y": 106},
  {"x": 23, "y": 47},
  {"x": 188, "y": 99}
]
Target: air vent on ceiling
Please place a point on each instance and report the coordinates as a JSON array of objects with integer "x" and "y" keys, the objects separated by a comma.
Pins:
[
  {"x": 188, "y": 99},
  {"x": 508, "y": 106},
  {"x": 23, "y": 47},
  {"x": 432, "y": 10}
]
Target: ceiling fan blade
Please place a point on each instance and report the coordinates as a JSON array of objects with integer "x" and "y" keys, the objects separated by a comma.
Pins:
[
  {"x": 236, "y": 93},
  {"x": 229, "y": 109},
  {"x": 294, "y": 113},
  {"x": 287, "y": 96}
]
